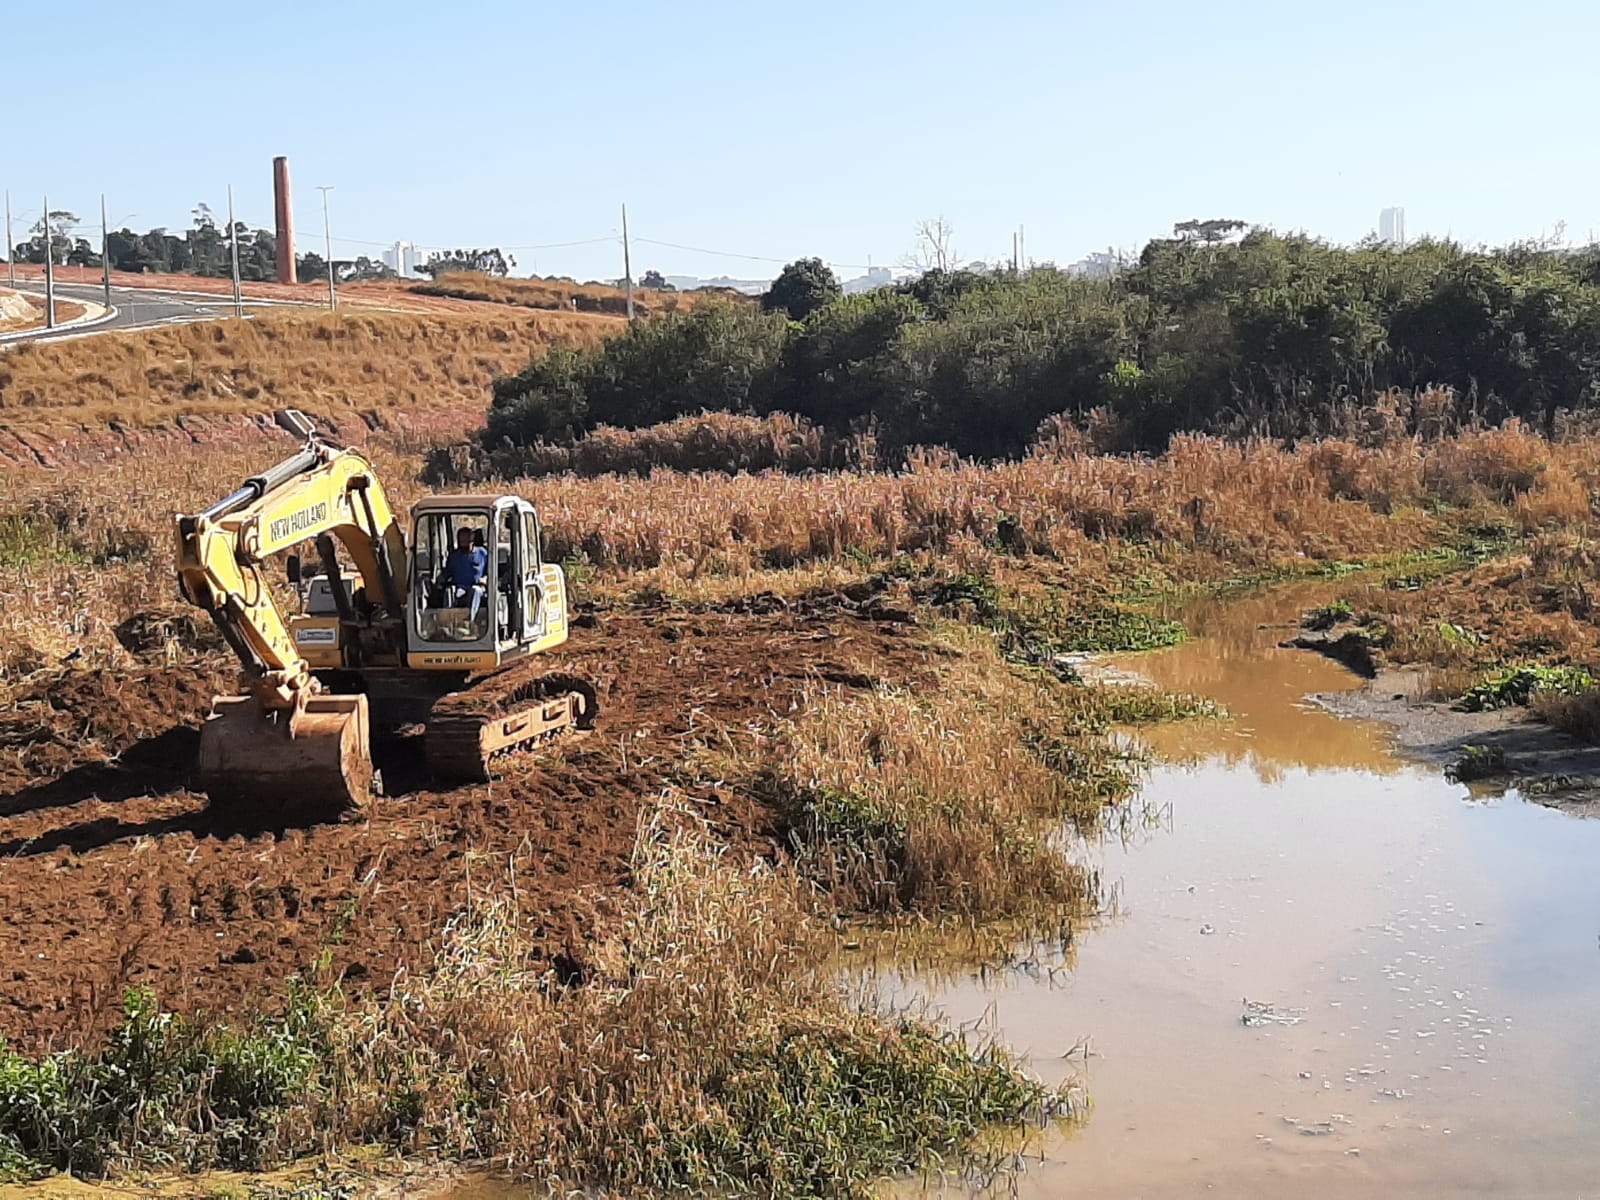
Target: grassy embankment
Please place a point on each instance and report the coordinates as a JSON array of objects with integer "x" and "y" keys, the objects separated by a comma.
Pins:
[
  {"x": 560, "y": 294},
  {"x": 335, "y": 366}
]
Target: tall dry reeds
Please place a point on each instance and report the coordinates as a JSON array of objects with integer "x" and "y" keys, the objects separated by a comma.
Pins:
[
  {"x": 83, "y": 546},
  {"x": 951, "y": 799},
  {"x": 705, "y": 442},
  {"x": 1250, "y": 504}
]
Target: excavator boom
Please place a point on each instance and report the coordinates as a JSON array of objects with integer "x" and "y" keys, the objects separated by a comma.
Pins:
[{"x": 283, "y": 746}]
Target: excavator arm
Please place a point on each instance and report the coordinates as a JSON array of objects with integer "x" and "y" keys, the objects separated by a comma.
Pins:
[
  {"x": 323, "y": 491},
  {"x": 283, "y": 748}
]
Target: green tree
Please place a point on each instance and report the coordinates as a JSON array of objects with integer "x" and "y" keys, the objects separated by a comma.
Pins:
[
  {"x": 364, "y": 268},
  {"x": 802, "y": 287},
  {"x": 1212, "y": 231},
  {"x": 839, "y": 367},
  {"x": 485, "y": 262},
  {"x": 50, "y": 234},
  {"x": 718, "y": 356}
]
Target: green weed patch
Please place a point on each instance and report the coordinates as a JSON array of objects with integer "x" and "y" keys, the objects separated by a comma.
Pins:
[{"x": 1516, "y": 686}]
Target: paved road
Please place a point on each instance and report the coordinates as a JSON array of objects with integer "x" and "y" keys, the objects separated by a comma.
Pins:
[{"x": 136, "y": 308}]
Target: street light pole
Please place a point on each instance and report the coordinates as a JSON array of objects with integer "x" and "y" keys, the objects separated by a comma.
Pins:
[
  {"x": 327, "y": 234},
  {"x": 627, "y": 263},
  {"x": 49, "y": 270},
  {"x": 11, "y": 247},
  {"x": 105, "y": 249},
  {"x": 233, "y": 248}
]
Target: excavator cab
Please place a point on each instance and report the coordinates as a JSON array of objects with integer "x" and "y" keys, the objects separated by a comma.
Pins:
[{"x": 480, "y": 594}]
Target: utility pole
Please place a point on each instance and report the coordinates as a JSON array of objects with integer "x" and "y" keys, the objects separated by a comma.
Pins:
[
  {"x": 11, "y": 247},
  {"x": 105, "y": 249},
  {"x": 49, "y": 271},
  {"x": 327, "y": 235},
  {"x": 233, "y": 247},
  {"x": 627, "y": 263}
]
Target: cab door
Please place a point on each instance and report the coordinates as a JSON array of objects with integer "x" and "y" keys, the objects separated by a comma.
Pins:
[{"x": 529, "y": 569}]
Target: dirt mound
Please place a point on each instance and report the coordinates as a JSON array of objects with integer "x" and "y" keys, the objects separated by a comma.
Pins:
[
  {"x": 156, "y": 631},
  {"x": 1355, "y": 648},
  {"x": 114, "y": 875},
  {"x": 64, "y": 719}
]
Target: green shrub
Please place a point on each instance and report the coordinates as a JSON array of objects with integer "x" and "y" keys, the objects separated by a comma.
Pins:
[
  {"x": 161, "y": 1089},
  {"x": 717, "y": 357},
  {"x": 1476, "y": 762},
  {"x": 1270, "y": 336},
  {"x": 1518, "y": 685}
]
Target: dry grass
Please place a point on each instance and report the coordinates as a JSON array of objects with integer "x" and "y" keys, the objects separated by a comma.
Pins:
[
  {"x": 947, "y": 800},
  {"x": 1207, "y": 510},
  {"x": 561, "y": 294},
  {"x": 1251, "y": 506},
  {"x": 340, "y": 364},
  {"x": 713, "y": 1052},
  {"x": 726, "y": 443},
  {"x": 1577, "y": 714}
]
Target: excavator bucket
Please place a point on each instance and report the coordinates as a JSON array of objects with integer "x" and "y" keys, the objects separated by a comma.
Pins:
[{"x": 259, "y": 769}]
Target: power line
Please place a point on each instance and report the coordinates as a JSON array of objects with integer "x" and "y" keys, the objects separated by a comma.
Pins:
[
  {"x": 608, "y": 239},
  {"x": 750, "y": 257}
]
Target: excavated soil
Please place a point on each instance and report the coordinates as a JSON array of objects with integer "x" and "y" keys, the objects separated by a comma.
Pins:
[{"x": 112, "y": 873}]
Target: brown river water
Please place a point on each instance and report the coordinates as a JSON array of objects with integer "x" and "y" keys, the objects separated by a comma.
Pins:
[{"x": 1325, "y": 972}]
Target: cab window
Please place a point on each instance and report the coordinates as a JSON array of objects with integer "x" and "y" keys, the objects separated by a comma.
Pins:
[{"x": 451, "y": 577}]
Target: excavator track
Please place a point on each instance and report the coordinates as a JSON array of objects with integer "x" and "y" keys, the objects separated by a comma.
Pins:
[{"x": 503, "y": 713}]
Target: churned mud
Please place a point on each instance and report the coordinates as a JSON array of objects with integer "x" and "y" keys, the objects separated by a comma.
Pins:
[{"x": 116, "y": 875}]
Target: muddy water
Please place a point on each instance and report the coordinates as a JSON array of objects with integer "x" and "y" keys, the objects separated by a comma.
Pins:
[{"x": 1420, "y": 971}]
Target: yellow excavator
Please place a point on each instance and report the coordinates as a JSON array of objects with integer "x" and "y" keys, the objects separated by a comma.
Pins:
[{"x": 438, "y": 630}]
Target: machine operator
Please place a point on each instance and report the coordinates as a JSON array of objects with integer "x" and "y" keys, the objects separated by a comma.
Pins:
[{"x": 466, "y": 570}]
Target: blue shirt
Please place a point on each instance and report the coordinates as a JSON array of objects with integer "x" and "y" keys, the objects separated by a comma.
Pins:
[{"x": 463, "y": 568}]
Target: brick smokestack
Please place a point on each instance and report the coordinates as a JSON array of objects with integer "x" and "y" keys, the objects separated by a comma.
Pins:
[{"x": 284, "y": 208}]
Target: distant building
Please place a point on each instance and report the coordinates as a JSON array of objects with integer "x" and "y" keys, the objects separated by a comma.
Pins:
[
  {"x": 403, "y": 258},
  {"x": 875, "y": 278},
  {"x": 750, "y": 287},
  {"x": 1392, "y": 227},
  {"x": 1097, "y": 265}
]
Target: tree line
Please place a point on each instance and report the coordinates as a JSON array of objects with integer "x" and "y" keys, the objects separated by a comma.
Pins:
[
  {"x": 203, "y": 249},
  {"x": 1266, "y": 335}
]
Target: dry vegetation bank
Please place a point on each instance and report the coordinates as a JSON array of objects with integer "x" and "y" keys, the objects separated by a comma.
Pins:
[{"x": 333, "y": 364}]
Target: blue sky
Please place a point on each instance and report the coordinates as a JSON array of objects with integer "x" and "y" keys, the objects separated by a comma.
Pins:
[{"x": 825, "y": 128}]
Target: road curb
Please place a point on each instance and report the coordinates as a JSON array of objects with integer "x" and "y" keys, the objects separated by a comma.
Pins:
[{"x": 94, "y": 314}]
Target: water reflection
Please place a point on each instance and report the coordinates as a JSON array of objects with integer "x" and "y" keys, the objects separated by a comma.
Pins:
[
  {"x": 1424, "y": 970},
  {"x": 1233, "y": 661}
]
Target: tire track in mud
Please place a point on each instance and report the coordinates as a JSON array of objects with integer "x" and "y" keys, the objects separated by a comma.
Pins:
[{"x": 111, "y": 873}]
